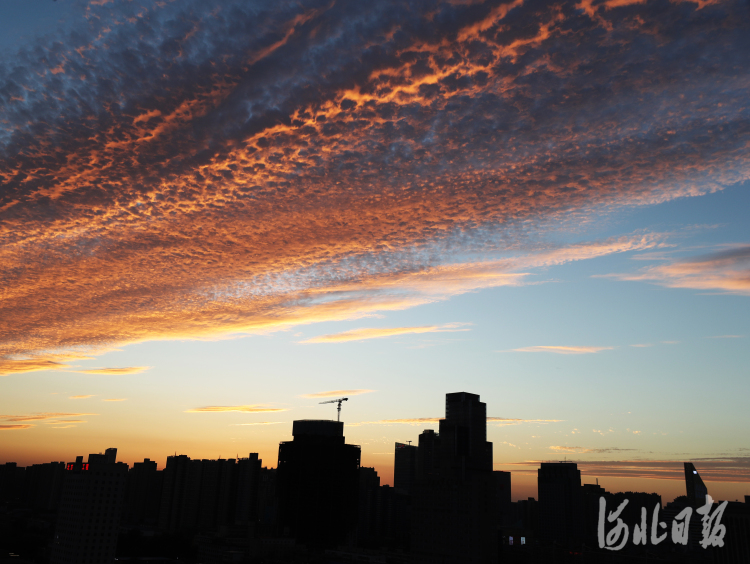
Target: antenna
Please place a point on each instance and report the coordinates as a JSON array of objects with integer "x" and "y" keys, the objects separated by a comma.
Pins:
[{"x": 338, "y": 401}]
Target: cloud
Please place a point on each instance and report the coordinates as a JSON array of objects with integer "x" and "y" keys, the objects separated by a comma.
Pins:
[
  {"x": 428, "y": 420},
  {"x": 380, "y": 332},
  {"x": 81, "y": 397},
  {"x": 116, "y": 371},
  {"x": 336, "y": 393},
  {"x": 42, "y": 416},
  {"x": 509, "y": 421},
  {"x": 205, "y": 168},
  {"x": 240, "y": 408},
  {"x": 726, "y": 337},
  {"x": 729, "y": 469},
  {"x": 115, "y": 399},
  {"x": 4, "y": 427},
  {"x": 726, "y": 272},
  {"x": 65, "y": 421},
  {"x": 256, "y": 423},
  {"x": 585, "y": 450},
  {"x": 563, "y": 350},
  {"x": 405, "y": 421}
]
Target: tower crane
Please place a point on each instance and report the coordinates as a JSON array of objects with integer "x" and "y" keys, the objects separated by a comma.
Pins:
[{"x": 338, "y": 401}]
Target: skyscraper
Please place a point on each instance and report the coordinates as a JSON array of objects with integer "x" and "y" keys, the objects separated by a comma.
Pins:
[
  {"x": 405, "y": 467},
  {"x": 317, "y": 484},
  {"x": 89, "y": 514},
  {"x": 560, "y": 502},
  {"x": 696, "y": 489},
  {"x": 454, "y": 509}
]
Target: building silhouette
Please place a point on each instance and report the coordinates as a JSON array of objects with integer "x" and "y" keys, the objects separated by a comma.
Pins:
[
  {"x": 89, "y": 513},
  {"x": 318, "y": 485},
  {"x": 405, "y": 466},
  {"x": 696, "y": 489},
  {"x": 143, "y": 494},
  {"x": 454, "y": 513},
  {"x": 560, "y": 502}
]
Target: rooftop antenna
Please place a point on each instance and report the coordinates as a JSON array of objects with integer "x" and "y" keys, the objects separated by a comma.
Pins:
[
  {"x": 338, "y": 401},
  {"x": 409, "y": 442}
]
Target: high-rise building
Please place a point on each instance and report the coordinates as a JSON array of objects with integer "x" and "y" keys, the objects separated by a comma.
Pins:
[
  {"x": 427, "y": 458},
  {"x": 43, "y": 485},
  {"x": 696, "y": 489},
  {"x": 198, "y": 495},
  {"x": 560, "y": 502},
  {"x": 143, "y": 494},
  {"x": 11, "y": 482},
  {"x": 90, "y": 508},
  {"x": 454, "y": 501},
  {"x": 502, "y": 485},
  {"x": 463, "y": 436},
  {"x": 248, "y": 484},
  {"x": 405, "y": 466},
  {"x": 368, "y": 510},
  {"x": 317, "y": 484}
]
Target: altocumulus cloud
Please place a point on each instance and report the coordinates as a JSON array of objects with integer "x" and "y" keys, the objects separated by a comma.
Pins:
[{"x": 193, "y": 169}]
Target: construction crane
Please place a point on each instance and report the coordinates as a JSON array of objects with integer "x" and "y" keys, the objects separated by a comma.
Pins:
[{"x": 338, "y": 401}]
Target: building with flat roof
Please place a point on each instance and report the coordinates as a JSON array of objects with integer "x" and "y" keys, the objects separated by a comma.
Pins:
[
  {"x": 317, "y": 484},
  {"x": 89, "y": 515}
]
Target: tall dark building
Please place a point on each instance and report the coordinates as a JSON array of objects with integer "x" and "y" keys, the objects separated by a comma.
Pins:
[
  {"x": 43, "y": 485},
  {"x": 405, "y": 467},
  {"x": 368, "y": 510},
  {"x": 696, "y": 489},
  {"x": 89, "y": 515},
  {"x": 454, "y": 509},
  {"x": 560, "y": 502},
  {"x": 503, "y": 503},
  {"x": 198, "y": 495},
  {"x": 318, "y": 484},
  {"x": 427, "y": 457},
  {"x": 11, "y": 482},
  {"x": 143, "y": 494},
  {"x": 247, "y": 510}
]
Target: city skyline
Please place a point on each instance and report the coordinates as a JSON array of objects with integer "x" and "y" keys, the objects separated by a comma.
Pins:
[{"x": 215, "y": 216}]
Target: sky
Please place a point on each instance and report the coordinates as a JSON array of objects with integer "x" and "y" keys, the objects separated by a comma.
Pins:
[{"x": 216, "y": 215}]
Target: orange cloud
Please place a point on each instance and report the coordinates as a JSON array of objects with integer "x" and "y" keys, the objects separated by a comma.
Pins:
[
  {"x": 4, "y": 427},
  {"x": 115, "y": 399},
  {"x": 426, "y": 420},
  {"x": 240, "y": 408},
  {"x": 281, "y": 177},
  {"x": 251, "y": 309},
  {"x": 336, "y": 393},
  {"x": 380, "y": 332},
  {"x": 726, "y": 272},
  {"x": 42, "y": 416},
  {"x": 257, "y": 423},
  {"x": 563, "y": 349},
  {"x": 81, "y": 397},
  {"x": 116, "y": 371},
  {"x": 65, "y": 421}
]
